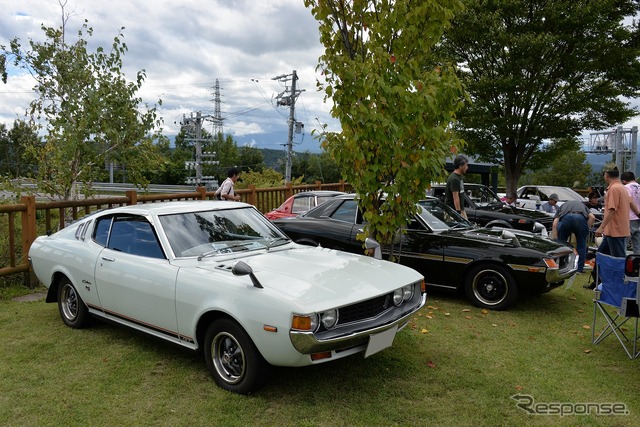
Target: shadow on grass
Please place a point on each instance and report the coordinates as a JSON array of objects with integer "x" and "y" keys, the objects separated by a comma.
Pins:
[
  {"x": 323, "y": 381},
  {"x": 546, "y": 302}
]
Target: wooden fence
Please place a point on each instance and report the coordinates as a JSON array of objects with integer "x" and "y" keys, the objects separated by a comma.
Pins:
[{"x": 32, "y": 211}]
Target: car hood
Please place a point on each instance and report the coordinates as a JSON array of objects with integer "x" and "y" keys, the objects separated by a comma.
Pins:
[
  {"x": 529, "y": 213},
  {"x": 524, "y": 239},
  {"x": 314, "y": 275}
]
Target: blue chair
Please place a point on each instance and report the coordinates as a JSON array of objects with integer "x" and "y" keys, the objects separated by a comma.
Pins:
[{"x": 617, "y": 291}]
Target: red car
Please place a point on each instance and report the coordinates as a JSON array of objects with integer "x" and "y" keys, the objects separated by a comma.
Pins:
[{"x": 301, "y": 202}]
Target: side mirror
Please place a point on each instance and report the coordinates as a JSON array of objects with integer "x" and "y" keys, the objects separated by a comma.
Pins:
[
  {"x": 508, "y": 235},
  {"x": 371, "y": 244},
  {"x": 242, "y": 269}
]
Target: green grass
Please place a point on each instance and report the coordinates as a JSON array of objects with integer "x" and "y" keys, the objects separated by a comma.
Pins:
[{"x": 454, "y": 365}]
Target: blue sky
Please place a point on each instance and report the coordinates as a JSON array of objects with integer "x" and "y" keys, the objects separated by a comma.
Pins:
[{"x": 184, "y": 47}]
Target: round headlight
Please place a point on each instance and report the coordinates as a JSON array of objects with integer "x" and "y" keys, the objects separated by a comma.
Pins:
[
  {"x": 407, "y": 292},
  {"x": 329, "y": 318},
  {"x": 398, "y": 294}
]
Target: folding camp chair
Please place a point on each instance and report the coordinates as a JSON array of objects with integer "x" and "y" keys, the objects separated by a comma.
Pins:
[{"x": 618, "y": 291}]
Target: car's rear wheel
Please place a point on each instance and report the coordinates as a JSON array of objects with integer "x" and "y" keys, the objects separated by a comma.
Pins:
[
  {"x": 233, "y": 360},
  {"x": 72, "y": 309},
  {"x": 491, "y": 286}
]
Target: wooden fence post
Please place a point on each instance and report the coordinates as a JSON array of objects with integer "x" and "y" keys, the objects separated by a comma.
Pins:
[
  {"x": 203, "y": 192},
  {"x": 133, "y": 197},
  {"x": 252, "y": 197},
  {"x": 28, "y": 236}
]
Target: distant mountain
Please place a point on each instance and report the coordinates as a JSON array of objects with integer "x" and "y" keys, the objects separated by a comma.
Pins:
[
  {"x": 274, "y": 159},
  {"x": 277, "y": 141},
  {"x": 597, "y": 162}
]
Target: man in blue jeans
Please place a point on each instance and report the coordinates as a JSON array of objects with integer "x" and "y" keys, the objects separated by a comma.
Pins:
[
  {"x": 614, "y": 228},
  {"x": 573, "y": 217}
]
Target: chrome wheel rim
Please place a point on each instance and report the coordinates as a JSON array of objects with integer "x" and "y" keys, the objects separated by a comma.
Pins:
[
  {"x": 228, "y": 358},
  {"x": 69, "y": 302}
]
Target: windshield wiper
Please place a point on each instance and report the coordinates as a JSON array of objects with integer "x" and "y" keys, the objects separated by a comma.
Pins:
[
  {"x": 206, "y": 254},
  {"x": 226, "y": 249},
  {"x": 459, "y": 225},
  {"x": 273, "y": 242}
]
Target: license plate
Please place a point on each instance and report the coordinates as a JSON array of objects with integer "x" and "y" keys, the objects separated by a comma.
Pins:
[{"x": 381, "y": 341}]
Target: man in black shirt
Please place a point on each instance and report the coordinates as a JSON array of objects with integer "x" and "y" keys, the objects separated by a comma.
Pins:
[{"x": 455, "y": 185}]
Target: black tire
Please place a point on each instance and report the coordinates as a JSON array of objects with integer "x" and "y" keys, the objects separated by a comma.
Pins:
[
  {"x": 73, "y": 311},
  {"x": 233, "y": 360},
  {"x": 491, "y": 286}
]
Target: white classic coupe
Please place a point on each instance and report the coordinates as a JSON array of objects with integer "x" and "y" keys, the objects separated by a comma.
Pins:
[{"x": 219, "y": 276}]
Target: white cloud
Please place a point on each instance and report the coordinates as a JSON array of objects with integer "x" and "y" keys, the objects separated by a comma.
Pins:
[{"x": 183, "y": 48}]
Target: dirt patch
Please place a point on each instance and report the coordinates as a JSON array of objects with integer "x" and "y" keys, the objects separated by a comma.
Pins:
[{"x": 31, "y": 297}]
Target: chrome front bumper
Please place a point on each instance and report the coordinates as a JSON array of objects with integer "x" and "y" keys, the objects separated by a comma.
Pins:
[
  {"x": 554, "y": 275},
  {"x": 308, "y": 343}
]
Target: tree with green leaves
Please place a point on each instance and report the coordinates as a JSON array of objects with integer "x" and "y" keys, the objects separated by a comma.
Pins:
[
  {"x": 172, "y": 169},
  {"x": 3, "y": 68},
  {"x": 250, "y": 159},
  {"x": 538, "y": 73},
  {"x": 395, "y": 105},
  {"x": 91, "y": 114},
  {"x": 13, "y": 161},
  {"x": 226, "y": 154},
  {"x": 315, "y": 167},
  {"x": 266, "y": 178}
]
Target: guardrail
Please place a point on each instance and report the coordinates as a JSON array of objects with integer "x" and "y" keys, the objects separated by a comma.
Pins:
[{"x": 36, "y": 215}]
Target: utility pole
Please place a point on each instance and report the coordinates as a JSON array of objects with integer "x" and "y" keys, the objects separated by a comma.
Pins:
[
  {"x": 201, "y": 158},
  {"x": 288, "y": 98}
]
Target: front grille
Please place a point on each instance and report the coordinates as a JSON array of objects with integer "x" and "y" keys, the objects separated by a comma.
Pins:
[{"x": 365, "y": 309}]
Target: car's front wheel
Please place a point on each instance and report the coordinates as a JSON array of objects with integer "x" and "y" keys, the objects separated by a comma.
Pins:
[
  {"x": 233, "y": 360},
  {"x": 72, "y": 309},
  {"x": 491, "y": 286}
]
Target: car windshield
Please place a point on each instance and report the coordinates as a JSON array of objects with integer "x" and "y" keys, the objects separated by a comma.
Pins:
[
  {"x": 440, "y": 217},
  {"x": 482, "y": 196},
  {"x": 219, "y": 232},
  {"x": 563, "y": 193}
]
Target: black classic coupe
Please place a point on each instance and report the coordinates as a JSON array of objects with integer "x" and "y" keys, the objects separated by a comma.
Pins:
[
  {"x": 492, "y": 266},
  {"x": 485, "y": 208}
]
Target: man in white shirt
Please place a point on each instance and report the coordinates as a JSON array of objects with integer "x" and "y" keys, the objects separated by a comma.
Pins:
[
  {"x": 226, "y": 190},
  {"x": 633, "y": 188}
]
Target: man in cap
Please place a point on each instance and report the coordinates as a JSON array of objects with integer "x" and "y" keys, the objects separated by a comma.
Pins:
[{"x": 551, "y": 206}]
